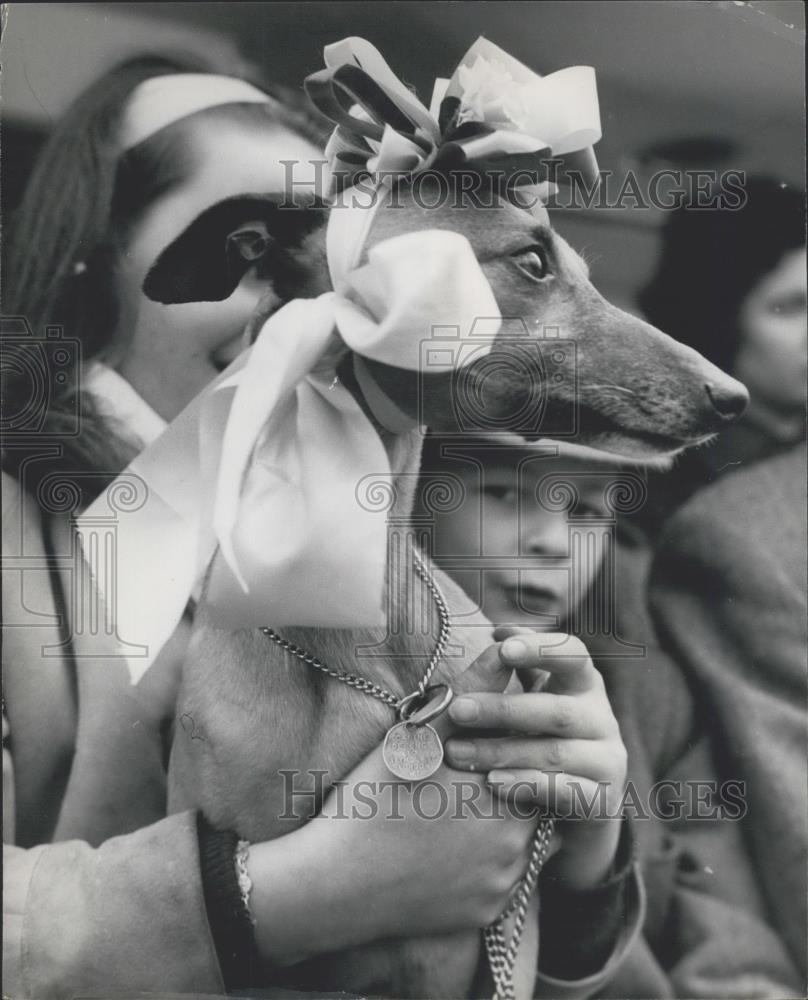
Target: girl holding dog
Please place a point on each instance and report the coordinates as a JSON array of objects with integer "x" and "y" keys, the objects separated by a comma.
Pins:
[{"x": 103, "y": 891}]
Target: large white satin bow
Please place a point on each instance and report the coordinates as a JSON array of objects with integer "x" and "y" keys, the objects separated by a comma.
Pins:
[{"x": 266, "y": 462}]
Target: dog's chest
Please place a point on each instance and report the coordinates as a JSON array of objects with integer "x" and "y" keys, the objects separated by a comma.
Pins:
[
  {"x": 262, "y": 734},
  {"x": 265, "y": 734}
]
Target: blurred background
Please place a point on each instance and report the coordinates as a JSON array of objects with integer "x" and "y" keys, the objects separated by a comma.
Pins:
[{"x": 684, "y": 84}]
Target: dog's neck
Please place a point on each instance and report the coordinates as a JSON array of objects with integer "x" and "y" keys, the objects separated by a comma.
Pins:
[{"x": 404, "y": 452}]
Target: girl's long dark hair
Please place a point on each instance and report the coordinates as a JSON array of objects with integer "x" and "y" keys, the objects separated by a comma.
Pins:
[{"x": 63, "y": 245}]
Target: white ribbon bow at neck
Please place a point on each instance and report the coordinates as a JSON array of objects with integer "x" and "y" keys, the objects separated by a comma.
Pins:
[
  {"x": 494, "y": 114},
  {"x": 266, "y": 462}
]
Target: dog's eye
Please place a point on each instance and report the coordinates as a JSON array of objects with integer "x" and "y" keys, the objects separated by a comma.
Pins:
[
  {"x": 532, "y": 261},
  {"x": 250, "y": 242}
]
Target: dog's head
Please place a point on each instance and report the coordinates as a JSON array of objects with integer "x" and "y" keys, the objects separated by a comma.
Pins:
[{"x": 565, "y": 360}]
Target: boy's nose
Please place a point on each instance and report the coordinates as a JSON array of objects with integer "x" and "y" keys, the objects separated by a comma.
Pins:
[
  {"x": 729, "y": 399},
  {"x": 551, "y": 539}
]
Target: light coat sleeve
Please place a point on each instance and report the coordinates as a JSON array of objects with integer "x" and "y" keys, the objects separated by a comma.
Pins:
[{"x": 130, "y": 912}]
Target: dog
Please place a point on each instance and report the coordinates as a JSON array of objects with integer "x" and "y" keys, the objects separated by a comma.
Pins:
[{"x": 630, "y": 389}]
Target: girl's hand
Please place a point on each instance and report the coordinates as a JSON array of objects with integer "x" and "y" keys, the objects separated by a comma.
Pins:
[
  {"x": 557, "y": 746},
  {"x": 430, "y": 865}
]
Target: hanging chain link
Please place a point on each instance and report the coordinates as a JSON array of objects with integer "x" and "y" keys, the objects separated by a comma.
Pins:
[
  {"x": 501, "y": 950},
  {"x": 366, "y": 686}
]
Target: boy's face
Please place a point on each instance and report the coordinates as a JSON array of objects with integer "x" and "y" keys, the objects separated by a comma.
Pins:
[{"x": 529, "y": 536}]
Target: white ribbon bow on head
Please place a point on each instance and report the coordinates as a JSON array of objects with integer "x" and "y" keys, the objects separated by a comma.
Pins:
[
  {"x": 493, "y": 115},
  {"x": 281, "y": 448}
]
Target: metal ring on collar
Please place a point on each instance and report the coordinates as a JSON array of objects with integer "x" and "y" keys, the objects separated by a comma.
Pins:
[{"x": 408, "y": 713}]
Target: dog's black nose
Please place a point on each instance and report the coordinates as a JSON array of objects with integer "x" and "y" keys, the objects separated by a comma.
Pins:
[{"x": 729, "y": 401}]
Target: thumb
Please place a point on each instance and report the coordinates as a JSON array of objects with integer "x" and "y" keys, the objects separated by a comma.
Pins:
[
  {"x": 532, "y": 678},
  {"x": 489, "y": 672}
]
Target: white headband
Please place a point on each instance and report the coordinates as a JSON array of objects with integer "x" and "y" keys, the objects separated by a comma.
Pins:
[{"x": 163, "y": 100}]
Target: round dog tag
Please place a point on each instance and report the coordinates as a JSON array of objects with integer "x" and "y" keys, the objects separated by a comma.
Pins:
[{"x": 412, "y": 752}]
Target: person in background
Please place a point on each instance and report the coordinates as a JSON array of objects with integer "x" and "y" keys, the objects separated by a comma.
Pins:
[
  {"x": 728, "y": 582},
  {"x": 728, "y": 596},
  {"x": 530, "y": 534},
  {"x": 731, "y": 283}
]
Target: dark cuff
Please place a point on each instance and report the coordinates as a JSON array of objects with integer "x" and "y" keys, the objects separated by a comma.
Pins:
[
  {"x": 229, "y": 921},
  {"x": 579, "y": 929}
]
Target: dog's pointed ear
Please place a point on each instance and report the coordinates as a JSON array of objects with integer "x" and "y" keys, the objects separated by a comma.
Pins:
[{"x": 207, "y": 261}]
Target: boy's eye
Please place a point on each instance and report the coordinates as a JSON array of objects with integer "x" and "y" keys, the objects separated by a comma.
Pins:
[
  {"x": 788, "y": 305},
  {"x": 585, "y": 510},
  {"x": 506, "y": 494}
]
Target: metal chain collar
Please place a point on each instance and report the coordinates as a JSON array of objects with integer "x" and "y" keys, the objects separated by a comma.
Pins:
[
  {"x": 361, "y": 683},
  {"x": 501, "y": 952}
]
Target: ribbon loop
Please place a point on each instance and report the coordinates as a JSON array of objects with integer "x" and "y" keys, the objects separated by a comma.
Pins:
[
  {"x": 360, "y": 53},
  {"x": 493, "y": 116}
]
